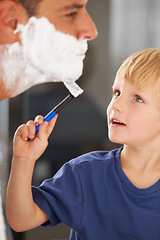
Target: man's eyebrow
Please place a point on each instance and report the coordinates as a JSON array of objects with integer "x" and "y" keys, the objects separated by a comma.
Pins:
[{"x": 73, "y": 6}]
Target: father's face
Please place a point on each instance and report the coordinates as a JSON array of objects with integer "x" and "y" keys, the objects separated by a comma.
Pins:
[{"x": 68, "y": 16}]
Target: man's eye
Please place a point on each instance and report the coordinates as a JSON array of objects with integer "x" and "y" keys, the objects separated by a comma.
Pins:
[
  {"x": 71, "y": 14},
  {"x": 138, "y": 99}
]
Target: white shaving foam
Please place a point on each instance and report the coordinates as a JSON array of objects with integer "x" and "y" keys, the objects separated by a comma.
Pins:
[{"x": 44, "y": 55}]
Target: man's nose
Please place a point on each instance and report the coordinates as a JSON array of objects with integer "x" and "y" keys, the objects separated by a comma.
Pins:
[{"x": 88, "y": 29}]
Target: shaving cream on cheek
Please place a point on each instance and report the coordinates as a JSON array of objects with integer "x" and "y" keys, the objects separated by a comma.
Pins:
[{"x": 45, "y": 55}]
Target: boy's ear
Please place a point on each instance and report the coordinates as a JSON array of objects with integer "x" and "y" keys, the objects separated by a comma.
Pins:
[{"x": 11, "y": 13}]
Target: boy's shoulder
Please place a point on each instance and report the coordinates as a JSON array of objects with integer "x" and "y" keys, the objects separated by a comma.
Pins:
[{"x": 96, "y": 157}]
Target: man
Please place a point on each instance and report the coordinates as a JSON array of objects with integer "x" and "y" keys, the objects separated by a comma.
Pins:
[{"x": 67, "y": 16}]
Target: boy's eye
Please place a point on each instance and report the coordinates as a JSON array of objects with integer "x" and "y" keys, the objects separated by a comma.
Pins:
[
  {"x": 116, "y": 93},
  {"x": 138, "y": 99}
]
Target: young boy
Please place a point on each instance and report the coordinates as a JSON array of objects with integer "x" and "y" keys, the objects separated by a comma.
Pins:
[{"x": 101, "y": 195}]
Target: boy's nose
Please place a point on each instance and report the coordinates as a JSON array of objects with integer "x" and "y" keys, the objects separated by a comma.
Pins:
[{"x": 118, "y": 104}]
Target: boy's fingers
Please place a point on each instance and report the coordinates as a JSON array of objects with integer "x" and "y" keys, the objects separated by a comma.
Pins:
[
  {"x": 47, "y": 127},
  {"x": 51, "y": 124},
  {"x": 22, "y": 132},
  {"x": 39, "y": 119},
  {"x": 31, "y": 129},
  {"x": 27, "y": 131}
]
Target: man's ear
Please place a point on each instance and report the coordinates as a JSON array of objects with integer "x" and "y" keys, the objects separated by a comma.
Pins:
[{"x": 11, "y": 13}]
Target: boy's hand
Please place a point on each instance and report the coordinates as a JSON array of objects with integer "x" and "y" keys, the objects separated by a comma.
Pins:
[
  {"x": 29, "y": 146},
  {"x": 22, "y": 212}
]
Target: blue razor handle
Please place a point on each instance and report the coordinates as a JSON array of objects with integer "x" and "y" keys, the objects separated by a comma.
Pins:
[
  {"x": 55, "y": 110},
  {"x": 47, "y": 118}
]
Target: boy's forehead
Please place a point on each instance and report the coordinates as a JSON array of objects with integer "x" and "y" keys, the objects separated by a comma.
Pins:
[
  {"x": 119, "y": 80},
  {"x": 121, "y": 83},
  {"x": 153, "y": 90}
]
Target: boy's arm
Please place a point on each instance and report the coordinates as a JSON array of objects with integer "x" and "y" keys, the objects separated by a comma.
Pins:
[{"x": 22, "y": 212}]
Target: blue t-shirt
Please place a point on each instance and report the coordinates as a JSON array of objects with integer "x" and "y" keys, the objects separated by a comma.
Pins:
[{"x": 92, "y": 195}]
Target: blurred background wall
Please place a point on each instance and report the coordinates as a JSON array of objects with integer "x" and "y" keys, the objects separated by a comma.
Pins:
[{"x": 124, "y": 26}]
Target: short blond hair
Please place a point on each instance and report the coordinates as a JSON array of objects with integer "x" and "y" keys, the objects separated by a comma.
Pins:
[{"x": 142, "y": 69}]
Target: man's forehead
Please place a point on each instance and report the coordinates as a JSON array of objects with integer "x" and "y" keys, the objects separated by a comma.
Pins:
[
  {"x": 58, "y": 6},
  {"x": 71, "y": 2},
  {"x": 74, "y": 1}
]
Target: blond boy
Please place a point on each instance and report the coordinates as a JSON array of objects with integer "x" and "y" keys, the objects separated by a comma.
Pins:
[{"x": 103, "y": 194}]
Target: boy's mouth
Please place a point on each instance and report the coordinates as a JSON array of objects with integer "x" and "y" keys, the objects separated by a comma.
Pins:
[{"x": 117, "y": 122}]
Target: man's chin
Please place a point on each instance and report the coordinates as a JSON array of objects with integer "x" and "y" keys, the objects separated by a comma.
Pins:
[
  {"x": 4, "y": 94},
  {"x": 9, "y": 92}
]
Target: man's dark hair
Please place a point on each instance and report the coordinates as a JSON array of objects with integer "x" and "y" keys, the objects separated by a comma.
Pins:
[{"x": 29, "y": 5}]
